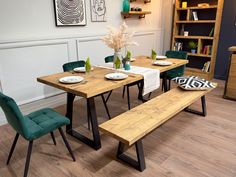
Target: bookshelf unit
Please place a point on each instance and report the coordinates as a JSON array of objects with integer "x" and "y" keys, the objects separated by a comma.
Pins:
[{"x": 203, "y": 27}]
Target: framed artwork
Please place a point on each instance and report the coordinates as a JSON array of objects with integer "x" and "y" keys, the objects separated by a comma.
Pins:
[
  {"x": 98, "y": 10},
  {"x": 70, "y": 12}
]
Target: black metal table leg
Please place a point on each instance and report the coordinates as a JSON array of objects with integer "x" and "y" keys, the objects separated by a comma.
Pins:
[
  {"x": 137, "y": 164},
  {"x": 128, "y": 97},
  {"x": 204, "y": 110},
  {"x": 96, "y": 142},
  {"x": 69, "y": 109},
  {"x": 140, "y": 94},
  {"x": 105, "y": 105},
  {"x": 108, "y": 96}
]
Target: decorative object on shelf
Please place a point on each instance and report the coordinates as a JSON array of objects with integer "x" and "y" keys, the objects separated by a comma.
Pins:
[
  {"x": 126, "y": 5},
  {"x": 192, "y": 46},
  {"x": 211, "y": 34},
  {"x": 87, "y": 65},
  {"x": 182, "y": 30},
  {"x": 203, "y": 5},
  {"x": 178, "y": 46},
  {"x": 206, "y": 67},
  {"x": 98, "y": 10},
  {"x": 118, "y": 39},
  {"x": 70, "y": 12},
  {"x": 184, "y": 4},
  {"x": 195, "y": 17},
  {"x": 186, "y": 33}
]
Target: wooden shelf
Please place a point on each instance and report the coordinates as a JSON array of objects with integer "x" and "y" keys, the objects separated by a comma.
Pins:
[
  {"x": 196, "y": 72},
  {"x": 145, "y": 1},
  {"x": 194, "y": 37},
  {"x": 140, "y": 14},
  {"x": 199, "y": 55},
  {"x": 195, "y": 21},
  {"x": 198, "y": 8}
]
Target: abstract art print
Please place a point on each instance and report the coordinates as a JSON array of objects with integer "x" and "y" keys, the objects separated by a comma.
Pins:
[
  {"x": 70, "y": 12},
  {"x": 98, "y": 10}
]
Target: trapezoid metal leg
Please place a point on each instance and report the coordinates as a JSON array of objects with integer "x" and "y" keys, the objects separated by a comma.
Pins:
[{"x": 204, "y": 109}]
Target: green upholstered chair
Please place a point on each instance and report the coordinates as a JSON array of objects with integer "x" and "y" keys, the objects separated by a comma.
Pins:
[
  {"x": 177, "y": 72},
  {"x": 70, "y": 66},
  {"x": 32, "y": 126}
]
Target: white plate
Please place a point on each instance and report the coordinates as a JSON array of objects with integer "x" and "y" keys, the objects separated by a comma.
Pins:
[
  {"x": 162, "y": 63},
  {"x": 132, "y": 59},
  {"x": 81, "y": 69},
  {"x": 71, "y": 79},
  {"x": 160, "y": 57},
  {"x": 116, "y": 76}
]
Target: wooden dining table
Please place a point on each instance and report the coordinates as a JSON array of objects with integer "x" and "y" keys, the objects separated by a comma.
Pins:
[{"x": 95, "y": 84}]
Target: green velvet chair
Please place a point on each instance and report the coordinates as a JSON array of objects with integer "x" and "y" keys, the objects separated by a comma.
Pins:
[
  {"x": 69, "y": 67},
  {"x": 177, "y": 72},
  {"x": 32, "y": 126}
]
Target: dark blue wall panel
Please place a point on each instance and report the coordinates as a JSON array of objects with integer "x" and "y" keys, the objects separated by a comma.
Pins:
[{"x": 227, "y": 38}]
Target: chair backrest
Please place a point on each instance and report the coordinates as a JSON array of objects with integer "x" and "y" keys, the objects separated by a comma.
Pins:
[
  {"x": 13, "y": 114},
  {"x": 179, "y": 71},
  {"x": 71, "y": 65},
  {"x": 109, "y": 59}
]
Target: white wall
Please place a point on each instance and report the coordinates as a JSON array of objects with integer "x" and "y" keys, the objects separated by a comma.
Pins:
[{"x": 32, "y": 46}]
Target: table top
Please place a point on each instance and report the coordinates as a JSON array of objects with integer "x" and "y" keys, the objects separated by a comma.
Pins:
[
  {"x": 146, "y": 62},
  {"x": 95, "y": 82}
]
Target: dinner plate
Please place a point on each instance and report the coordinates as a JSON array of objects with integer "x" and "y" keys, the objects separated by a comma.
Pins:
[
  {"x": 132, "y": 59},
  {"x": 162, "y": 63},
  {"x": 71, "y": 79},
  {"x": 160, "y": 57},
  {"x": 116, "y": 76},
  {"x": 81, "y": 69}
]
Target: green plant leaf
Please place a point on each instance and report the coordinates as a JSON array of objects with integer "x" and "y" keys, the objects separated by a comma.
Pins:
[
  {"x": 154, "y": 54},
  {"x": 128, "y": 55},
  {"x": 117, "y": 63},
  {"x": 87, "y": 65}
]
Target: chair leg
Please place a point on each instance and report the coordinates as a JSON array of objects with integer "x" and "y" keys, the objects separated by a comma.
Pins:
[
  {"x": 28, "y": 158},
  {"x": 66, "y": 143},
  {"x": 53, "y": 138},
  {"x": 105, "y": 105},
  {"x": 128, "y": 98},
  {"x": 12, "y": 148},
  {"x": 123, "y": 94},
  {"x": 149, "y": 96}
]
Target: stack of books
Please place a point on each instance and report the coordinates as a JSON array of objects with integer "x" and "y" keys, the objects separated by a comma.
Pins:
[
  {"x": 207, "y": 50},
  {"x": 206, "y": 66}
]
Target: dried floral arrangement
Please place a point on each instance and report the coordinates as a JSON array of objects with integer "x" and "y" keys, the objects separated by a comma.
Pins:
[{"x": 119, "y": 38}]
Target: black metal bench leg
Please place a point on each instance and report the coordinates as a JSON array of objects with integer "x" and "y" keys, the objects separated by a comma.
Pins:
[
  {"x": 66, "y": 143},
  {"x": 53, "y": 138},
  {"x": 204, "y": 110},
  {"x": 105, "y": 105},
  {"x": 12, "y": 148},
  {"x": 28, "y": 158},
  {"x": 69, "y": 110},
  {"x": 138, "y": 164}
]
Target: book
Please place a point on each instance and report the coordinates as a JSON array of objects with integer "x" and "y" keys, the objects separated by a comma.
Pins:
[
  {"x": 195, "y": 17},
  {"x": 206, "y": 66}
]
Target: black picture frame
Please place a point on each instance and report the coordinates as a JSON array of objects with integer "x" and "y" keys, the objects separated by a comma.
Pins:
[{"x": 77, "y": 18}]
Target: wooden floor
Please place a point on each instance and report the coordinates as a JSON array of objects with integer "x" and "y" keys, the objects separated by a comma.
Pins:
[{"x": 187, "y": 145}]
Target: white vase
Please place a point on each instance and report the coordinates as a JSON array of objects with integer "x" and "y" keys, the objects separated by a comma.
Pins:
[{"x": 117, "y": 54}]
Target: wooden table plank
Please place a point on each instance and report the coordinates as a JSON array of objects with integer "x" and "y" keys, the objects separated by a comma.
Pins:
[
  {"x": 94, "y": 83},
  {"x": 144, "y": 61}
]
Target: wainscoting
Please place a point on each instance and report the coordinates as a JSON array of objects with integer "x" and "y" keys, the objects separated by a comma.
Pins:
[{"x": 21, "y": 62}]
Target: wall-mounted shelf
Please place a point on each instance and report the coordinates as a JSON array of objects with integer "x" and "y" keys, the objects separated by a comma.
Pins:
[
  {"x": 145, "y": 1},
  {"x": 193, "y": 37},
  {"x": 140, "y": 14}
]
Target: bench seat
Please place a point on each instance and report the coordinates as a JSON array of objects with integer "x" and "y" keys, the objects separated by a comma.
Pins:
[{"x": 131, "y": 126}]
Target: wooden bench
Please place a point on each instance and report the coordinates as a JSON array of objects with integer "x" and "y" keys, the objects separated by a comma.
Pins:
[{"x": 130, "y": 127}]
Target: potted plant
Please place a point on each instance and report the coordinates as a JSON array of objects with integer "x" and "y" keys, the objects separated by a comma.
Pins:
[{"x": 192, "y": 45}]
